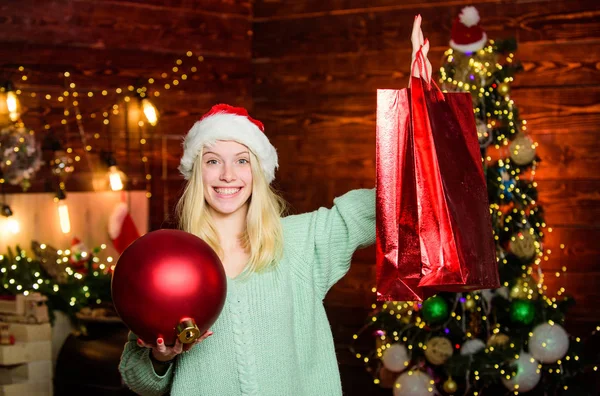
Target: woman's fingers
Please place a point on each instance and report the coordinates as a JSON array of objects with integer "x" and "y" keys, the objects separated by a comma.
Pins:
[
  {"x": 160, "y": 345},
  {"x": 206, "y": 334},
  {"x": 416, "y": 36},
  {"x": 178, "y": 347},
  {"x": 426, "y": 48},
  {"x": 418, "y": 42}
]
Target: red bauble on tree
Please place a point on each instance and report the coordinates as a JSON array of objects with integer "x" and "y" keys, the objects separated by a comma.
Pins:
[{"x": 169, "y": 284}]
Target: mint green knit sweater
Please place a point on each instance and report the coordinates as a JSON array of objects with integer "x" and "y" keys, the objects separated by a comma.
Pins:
[{"x": 272, "y": 337}]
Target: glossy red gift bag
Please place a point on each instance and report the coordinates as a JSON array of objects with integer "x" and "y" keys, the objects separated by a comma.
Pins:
[{"x": 434, "y": 230}]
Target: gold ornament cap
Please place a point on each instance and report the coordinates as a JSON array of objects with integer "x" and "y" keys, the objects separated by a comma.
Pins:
[{"x": 187, "y": 331}]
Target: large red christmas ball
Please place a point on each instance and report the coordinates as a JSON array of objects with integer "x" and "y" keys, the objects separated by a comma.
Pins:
[{"x": 166, "y": 278}]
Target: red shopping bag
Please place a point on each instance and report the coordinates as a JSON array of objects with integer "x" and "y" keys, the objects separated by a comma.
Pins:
[{"x": 434, "y": 229}]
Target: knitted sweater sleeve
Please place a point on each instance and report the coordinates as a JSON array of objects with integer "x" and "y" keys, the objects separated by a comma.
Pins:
[
  {"x": 137, "y": 371},
  {"x": 325, "y": 240}
]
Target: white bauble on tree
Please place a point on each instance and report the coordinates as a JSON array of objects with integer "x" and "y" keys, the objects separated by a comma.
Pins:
[
  {"x": 471, "y": 347},
  {"x": 548, "y": 343},
  {"x": 528, "y": 374},
  {"x": 414, "y": 383},
  {"x": 395, "y": 358}
]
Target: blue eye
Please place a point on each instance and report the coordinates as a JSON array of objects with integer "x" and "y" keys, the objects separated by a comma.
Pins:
[
  {"x": 244, "y": 161},
  {"x": 211, "y": 162}
]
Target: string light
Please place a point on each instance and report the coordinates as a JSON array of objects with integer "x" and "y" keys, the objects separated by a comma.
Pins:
[{"x": 63, "y": 211}]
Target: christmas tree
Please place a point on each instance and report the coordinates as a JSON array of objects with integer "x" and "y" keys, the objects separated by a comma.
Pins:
[
  {"x": 508, "y": 340},
  {"x": 73, "y": 279}
]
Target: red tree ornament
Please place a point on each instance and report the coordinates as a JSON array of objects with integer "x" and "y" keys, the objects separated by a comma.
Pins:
[{"x": 169, "y": 284}]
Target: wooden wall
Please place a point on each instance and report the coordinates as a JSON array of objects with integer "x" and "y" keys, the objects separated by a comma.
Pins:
[
  {"x": 317, "y": 65},
  {"x": 309, "y": 70}
]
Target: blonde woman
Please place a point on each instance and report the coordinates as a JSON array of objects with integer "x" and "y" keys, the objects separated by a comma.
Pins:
[{"x": 272, "y": 337}]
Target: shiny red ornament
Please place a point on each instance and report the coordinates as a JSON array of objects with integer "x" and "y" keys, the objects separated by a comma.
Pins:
[{"x": 167, "y": 281}]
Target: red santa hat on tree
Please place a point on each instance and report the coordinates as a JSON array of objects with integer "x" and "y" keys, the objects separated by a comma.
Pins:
[
  {"x": 225, "y": 122},
  {"x": 121, "y": 228},
  {"x": 467, "y": 35}
]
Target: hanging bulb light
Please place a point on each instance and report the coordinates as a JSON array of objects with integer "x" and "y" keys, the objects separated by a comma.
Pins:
[
  {"x": 9, "y": 105},
  {"x": 12, "y": 102},
  {"x": 150, "y": 111},
  {"x": 12, "y": 224},
  {"x": 116, "y": 177},
  {"x": 63, "y": 212}
]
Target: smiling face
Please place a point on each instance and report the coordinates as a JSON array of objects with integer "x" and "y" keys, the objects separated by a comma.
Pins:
[{"x": 227, "y": 177}]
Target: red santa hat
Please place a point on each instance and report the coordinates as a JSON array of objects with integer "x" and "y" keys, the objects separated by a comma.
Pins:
[
  {"x": 467, "y": 35},
  {"x": 225, "y": 122},
  {"x": 121, "y": 228}
]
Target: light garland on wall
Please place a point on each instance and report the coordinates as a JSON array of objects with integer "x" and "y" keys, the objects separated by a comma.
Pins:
[{"x": 138, "y": 96}]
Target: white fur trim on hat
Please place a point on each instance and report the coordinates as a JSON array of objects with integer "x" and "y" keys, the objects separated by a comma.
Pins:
[
  {"x": 225, "y": 126},
  {"x": 471, "y": 47}
]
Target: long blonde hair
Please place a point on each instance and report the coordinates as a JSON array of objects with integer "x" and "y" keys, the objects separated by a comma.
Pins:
[{"x": 263, "y": 236}]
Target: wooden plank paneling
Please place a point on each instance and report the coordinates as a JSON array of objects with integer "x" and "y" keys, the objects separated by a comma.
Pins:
[
  {"x": 281, "y": 9},
  {"x": 568, "y": 156},
  {"x": 123, "y": 25},
  {"x": 352, "y": 73},
  {"x": 387, "y": 29},
  {"x": 241, "y": 7},
  {"x": 570, "y": 202}
]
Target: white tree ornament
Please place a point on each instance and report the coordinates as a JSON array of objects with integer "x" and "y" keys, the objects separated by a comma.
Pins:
[
  {"x": 528, "y": 374},
  {"x": 471, "y": 347},
  {"x": 395, "y": 358},
  {"x": 414, "y": 383},
  {"x": 548, "y": 343}
]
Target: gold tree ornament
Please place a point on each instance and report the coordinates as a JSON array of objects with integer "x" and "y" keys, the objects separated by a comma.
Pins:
[
  {"x": 499, "y": 340},
  {"x": 522, "y": 150},
  {"x": 523, "y": 245},
  {"x": 450, "y": 386},
  {"x": 504, "y": 88},
  {"x": 470, "y": 304},
  {"x": 438, "y": 350}
]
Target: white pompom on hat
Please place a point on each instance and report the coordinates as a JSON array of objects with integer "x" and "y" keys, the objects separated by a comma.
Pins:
[
  {"x": 467, "y": 35},
  {"x": 225, "y": 122}
]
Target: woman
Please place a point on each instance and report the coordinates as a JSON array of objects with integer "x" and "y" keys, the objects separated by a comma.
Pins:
[{"x": 273, "y": 336}]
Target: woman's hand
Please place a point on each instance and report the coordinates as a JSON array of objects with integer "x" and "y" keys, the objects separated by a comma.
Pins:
[
  {"x": 417, "y": 43},
  {"x": 163, "y": 353}
]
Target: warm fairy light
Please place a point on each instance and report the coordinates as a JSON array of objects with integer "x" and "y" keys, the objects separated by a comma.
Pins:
[
  {"x": 63, "y": 215},
  {"x": 150, "y": 111},
  {"x": 12, "y": 105},
  {"x": 116, "y": 182}
]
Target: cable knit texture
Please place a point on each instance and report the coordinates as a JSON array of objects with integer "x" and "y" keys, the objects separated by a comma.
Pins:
[{"x": 273, "y": 337}]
